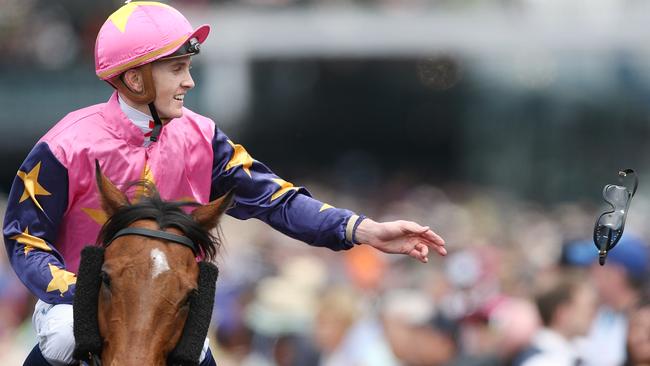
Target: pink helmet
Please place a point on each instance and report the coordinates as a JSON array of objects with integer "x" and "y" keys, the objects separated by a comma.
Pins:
[{"x": 141, "y": 32}]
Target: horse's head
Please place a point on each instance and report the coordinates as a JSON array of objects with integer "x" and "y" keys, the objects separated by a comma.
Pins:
[{"x": 149, "y": 280}]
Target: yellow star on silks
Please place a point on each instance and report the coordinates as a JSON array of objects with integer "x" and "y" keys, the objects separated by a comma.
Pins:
[
  {"x": 97, "y": 215},
  {"x": 240, "y": 157},
  {"x": 31, "y": 242},
  {"x": 32, "y": 187},
  {"x": 100, "y": 217},
  {"x": 61, "y": 279},
  {"x": 284, "y": 188},
  {"x": 146, "y": 176},
  {"x": 122, "y": 15},
  {"x": 187, "y": 199},
  {"x": 324, "y": 207}
]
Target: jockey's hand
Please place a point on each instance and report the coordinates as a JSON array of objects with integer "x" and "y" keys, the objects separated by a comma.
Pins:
[{"x": 401, "y": 237}]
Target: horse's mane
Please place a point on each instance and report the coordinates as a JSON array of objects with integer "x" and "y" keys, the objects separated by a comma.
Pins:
[{"x": 166, "y": 214}]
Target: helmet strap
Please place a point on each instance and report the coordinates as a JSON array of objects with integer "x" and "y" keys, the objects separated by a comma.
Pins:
[
  {"x": 147, "y": 96},
  {"x": 157, "y": 124},
  {"x": 148, "y": 93}
]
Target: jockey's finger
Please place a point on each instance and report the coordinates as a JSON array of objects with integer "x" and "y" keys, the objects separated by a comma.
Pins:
[
  {"x": 434, "y": 238},
  {"x": 439, "y": 248},
  {"x": 424, "y": 231},
  {"x": 420, "y": 252}
]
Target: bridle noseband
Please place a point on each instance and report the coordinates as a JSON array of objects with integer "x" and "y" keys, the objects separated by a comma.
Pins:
[{"x": 159, "y": 234}]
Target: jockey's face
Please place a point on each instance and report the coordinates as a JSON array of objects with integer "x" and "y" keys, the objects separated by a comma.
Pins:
[{"x": 172, "y": 80}]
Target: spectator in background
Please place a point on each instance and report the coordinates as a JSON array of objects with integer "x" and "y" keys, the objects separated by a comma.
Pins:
[
  {"x": 619, "y": 284},
  {"x": 417, "y": 333},
  {"x": 566, "y": 308},
  {"x": 638, "y": 335},
  {"x": 346, "y": 333},
  {"x": 493, "y": 325}
]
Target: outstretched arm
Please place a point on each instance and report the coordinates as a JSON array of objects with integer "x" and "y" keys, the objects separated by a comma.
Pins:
[
  {"x": 400, "y": 237},
  {"x": 263, "y": 195}
]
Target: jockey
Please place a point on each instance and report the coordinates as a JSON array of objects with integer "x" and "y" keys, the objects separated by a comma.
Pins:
[{"x": 143, "y": 131}]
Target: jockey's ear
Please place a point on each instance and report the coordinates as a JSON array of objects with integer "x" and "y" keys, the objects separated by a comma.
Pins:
[
  {"x": 133, "y": 80},
  {"x": 208, "y": 215},
  {"x": 112, "y": 199}
]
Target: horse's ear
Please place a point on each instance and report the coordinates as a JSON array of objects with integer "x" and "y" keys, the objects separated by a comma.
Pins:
[
  {"x": 111, "y": 198},
  {"x": 208, "y": 215}
]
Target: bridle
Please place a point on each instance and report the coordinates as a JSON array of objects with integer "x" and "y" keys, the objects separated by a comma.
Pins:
[
  {"x": 158, "y": 234},
  {"x": 196, "y": 325}
]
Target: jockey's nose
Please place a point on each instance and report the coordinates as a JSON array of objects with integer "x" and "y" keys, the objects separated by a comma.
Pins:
[{"x": 188, "y": 82}]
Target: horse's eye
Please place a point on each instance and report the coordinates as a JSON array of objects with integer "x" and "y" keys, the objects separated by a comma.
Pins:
[
  {"x": 193, "y": 293},
  {"x": 106, "y": 279}
]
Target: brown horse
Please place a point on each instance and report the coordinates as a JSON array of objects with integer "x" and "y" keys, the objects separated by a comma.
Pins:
[{"x": 142, "y": 298}]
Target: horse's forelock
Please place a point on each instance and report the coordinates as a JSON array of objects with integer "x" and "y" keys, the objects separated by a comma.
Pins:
[{"x": 166, "y": 214}]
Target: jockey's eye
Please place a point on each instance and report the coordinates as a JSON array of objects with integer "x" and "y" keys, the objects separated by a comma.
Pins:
[{"x": 106, "y": 279}]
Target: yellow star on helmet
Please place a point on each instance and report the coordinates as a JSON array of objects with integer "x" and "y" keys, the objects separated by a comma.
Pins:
[
  {"x": 32, "y": 187},
  {"x": 31, "y": 242},
  {"x": 240, "y": 157},
  {"x": 284, "y": 188},
  {"x": 121, "y": 16},
  {"x": 61, "y": 279}
]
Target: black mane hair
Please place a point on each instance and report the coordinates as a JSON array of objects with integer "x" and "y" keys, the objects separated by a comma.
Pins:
[{"x": 166, "y": 214}]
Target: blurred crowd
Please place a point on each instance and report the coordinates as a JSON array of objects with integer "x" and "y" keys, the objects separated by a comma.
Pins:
[
  {"x": 55, "y": 34},
  {"x": 520, "y": 286}
]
